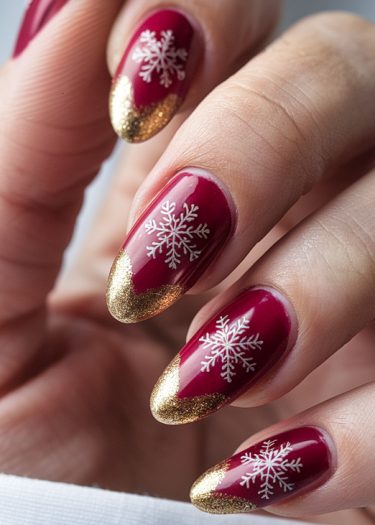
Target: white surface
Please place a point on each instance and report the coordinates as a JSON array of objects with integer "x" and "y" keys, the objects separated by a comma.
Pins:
[{"x": 31, "y": 502}]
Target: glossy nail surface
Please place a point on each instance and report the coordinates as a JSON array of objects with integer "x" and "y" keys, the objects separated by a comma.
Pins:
[
  {"x": 265, "y": 473},
  {"x": 38, "y": 14},
  {"x": 170, "y": 246},
  {"x": 153, "y": 76},
  {"x": 224, "y": 358}
]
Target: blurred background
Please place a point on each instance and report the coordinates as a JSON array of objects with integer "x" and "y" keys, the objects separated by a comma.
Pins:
[{"x": 10, "y": 15}]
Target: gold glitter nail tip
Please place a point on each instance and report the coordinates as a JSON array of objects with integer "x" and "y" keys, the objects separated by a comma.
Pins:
[
  {"x": 137, "y": 124},
  {"x": 125, "y": 304},
  {"x": 170, "y": 409},
  {"x": 205, "y": 497}
]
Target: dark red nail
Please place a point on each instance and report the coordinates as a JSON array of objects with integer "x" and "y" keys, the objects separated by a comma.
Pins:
[
  {"x": 170, "y": 246},
  {"x": 38, "y": 14},
  {"x": 224, "y": 358},
  {"x": 265, "y": 473},
  {"x": 153, "y": 76}
]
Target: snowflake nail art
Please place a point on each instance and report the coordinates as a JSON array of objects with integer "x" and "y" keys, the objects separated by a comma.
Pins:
[
  {"x": 265, "y": 473},
  {"x": 225, "y": 357},
  {"x": 175, "y": 234},
  {"x": 270, "y": 467},
  {"x": 169, "y": 247},
  {"x": 154, "y": 75},
  {"x": 160, "y": 57},
  {"x": 230, "y": 347}
]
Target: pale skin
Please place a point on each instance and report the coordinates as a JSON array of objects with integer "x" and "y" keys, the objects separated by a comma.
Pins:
[{"x": 75, "y": 383}]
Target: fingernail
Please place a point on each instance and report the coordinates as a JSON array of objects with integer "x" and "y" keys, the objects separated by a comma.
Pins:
[
  {"x": 265, "y": 473},
  {"x": 38, "y": 14},
  {"x": 170, "y": 246},
  {"x": 153, "y": 76},
  {"x": 224, "y": 358}
]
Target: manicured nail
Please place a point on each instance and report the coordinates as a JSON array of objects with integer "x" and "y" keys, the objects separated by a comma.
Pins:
[
  {"x": 266, "y": 473},
  {"x": 38, "y": 14},
  {"x": 153, "y": 76},
  {"x": 170, "y": 246},
  {"x": 224, "y": 358}
]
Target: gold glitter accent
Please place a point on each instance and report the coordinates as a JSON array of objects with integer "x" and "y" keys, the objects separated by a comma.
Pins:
[
  {"x": 138, "y": 124},
  {"x": 170, "y": 409},
  {"x": 129, "y": 307},
  {"x": 204, "y": 496}
]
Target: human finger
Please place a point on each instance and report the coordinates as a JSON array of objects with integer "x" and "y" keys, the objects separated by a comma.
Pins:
[
  {"x": 55, "y": 134},
  {"x": 162, "y": 56},
  {"x": 317, "y": 462},
  {"x": 299, "y": 132},
  {"x": 300, "y": 303}
]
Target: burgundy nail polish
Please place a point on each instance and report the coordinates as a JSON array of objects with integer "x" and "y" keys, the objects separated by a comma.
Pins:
[
  {"x": 38, "y": 14},
  {"x": 153, "y": 76},
  {"x": 170, "y": 246},
  {"x": 266, "y": 473},
  {"x": 224, "y": 358}
]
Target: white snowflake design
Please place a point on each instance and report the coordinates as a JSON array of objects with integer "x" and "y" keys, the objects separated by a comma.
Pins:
[
  {"x": 271, "y": 467},
  {"x": 160, "y": 57},
  {"x": 175, "y": 234},
  {"x": 229, "y": 346}
]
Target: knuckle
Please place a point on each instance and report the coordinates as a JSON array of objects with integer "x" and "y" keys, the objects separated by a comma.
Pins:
[
  {"x": 340, "y": 22},
  {"x": 278, "y": 122},
  {"x": 344, "y": 40},
  {"x": 363, "y": 260},
  {"x": 352, "y": 246},
  {"x": 332, "y": 54}
]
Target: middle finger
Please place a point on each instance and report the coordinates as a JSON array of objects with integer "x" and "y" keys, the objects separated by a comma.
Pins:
[{"x": 298, "y": 131}]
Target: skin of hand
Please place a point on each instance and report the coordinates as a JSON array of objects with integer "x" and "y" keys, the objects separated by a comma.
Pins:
[{"x": 76, "y": 384}]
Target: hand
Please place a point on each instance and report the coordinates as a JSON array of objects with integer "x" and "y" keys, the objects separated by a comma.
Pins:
[
  {"x": 274, "y": 131},
  {"x": 75, "y": 384}
]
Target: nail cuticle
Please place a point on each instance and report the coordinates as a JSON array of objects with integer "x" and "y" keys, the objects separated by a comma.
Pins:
[
  {"x": 202, "y": 172},
  {"x": 331, "y": 448},
  {"x": 289, "y": 310}
]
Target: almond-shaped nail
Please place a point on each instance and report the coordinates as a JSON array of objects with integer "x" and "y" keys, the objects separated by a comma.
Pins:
[
  {"x": 38, "y": 14},
  {"x": 153, "y": 76},
  {"x": 171, "y": 245},
  {"x": 231, "y": 351},
  {"x": 265, "y": 473}
]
